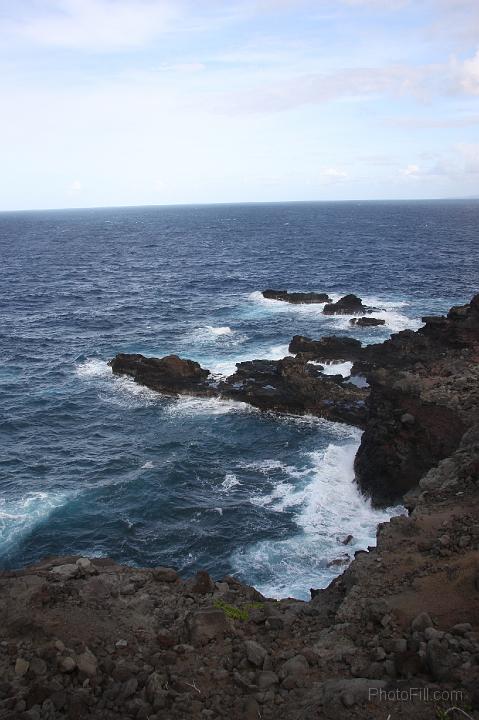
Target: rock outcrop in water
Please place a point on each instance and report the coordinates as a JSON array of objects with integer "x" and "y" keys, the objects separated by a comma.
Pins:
[
  {"x": 367, "y": 322},
  {"x": 296, "y": 298},
  {"x": 171, "y": 374},
  {"x": 347, "y": 305},
  {"x": 394, "y": 635},
  {"x": 423, "y": 393},
  {"x": 290, "y": 385},
  {"x": 327, "y": 348}
]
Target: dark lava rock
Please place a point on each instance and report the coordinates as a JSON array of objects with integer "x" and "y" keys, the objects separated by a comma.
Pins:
[
  {"x": 170, "y": 374},
  {"x": 327, "y": 348},
  {"x": 292, "y": 385},
  {"x": 296, "y": 298},
  {"x": 393, "y": 456},
  {"x": 457, "y": 331},
  {"x": 287, "y": 385},
  {"x": 347, "y": 305},
  {"x": 367, "y": 321},
  {"x": 429, "y": 376}
]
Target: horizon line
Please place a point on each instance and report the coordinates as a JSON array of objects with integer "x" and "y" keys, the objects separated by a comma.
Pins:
[{"x": 239, "y": 202}]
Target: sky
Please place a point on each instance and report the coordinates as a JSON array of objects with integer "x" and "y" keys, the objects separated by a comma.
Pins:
[{"x": 138, "y": 102}]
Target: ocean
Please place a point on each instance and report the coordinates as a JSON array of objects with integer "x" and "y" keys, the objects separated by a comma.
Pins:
[{"x": 93, "y": 464}]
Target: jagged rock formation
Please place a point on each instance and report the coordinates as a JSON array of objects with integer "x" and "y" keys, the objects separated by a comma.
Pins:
[
  {"x": 424, "y": 396},
  {"x": 347, "y": 305},
  {"x": 170, "y": 374},
  {"x": 327, "y": 348},
  {"x": 292, "y": 385},
  {"x": 289, "y": 385},
  {"x": 424, "y": 392}
]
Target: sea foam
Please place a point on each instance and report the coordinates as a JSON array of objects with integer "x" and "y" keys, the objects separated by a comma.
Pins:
[
  {"x": 326, "y": 506},
  {"x": 21, "y": 515}
]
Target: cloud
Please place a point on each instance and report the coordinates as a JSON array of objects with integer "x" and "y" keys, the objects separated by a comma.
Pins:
[
  {"x": 333, "y": 174},
  {"x": 469, "y": 153},
  {"x": 353, "y": 84},
  {"x": 455, "y": 20},
  {"x": 74, "y": 188},
  {"x": 416, "y": 122},
  {"x": 381, "y": 4},
  {"x": 469, "y": 75},
  {"x": 98, "y": 25},
  {"x": 411, "y": 171}
]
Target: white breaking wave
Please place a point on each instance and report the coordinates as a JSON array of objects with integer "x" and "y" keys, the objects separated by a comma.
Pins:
[
  {"x": 326, "y": 507},
  {"x": 336, "y": 368},
  {"x": 267, "y": 467},
  {"x": 395, "y": 321},
  {"x": 229, "y": 482},
  {"x": 147, "y": 466},
  {"x": 388, "y": 310},
  {"x": 93, "y": 367},
  {"x": 281, "y": 306},
  {"x": 373, "y": 301},
  {"x": 209, "y": 333},
  {"x": 227, "y": 367},
  {"x": 223, "y": 368},
  {"x": 194, "y": 406},
  {"x": 218, "y": 331},
  {"x": 126, "y": 393},
  {"x": 116, "y": 389},
  {"x": 18, "y": 517}
]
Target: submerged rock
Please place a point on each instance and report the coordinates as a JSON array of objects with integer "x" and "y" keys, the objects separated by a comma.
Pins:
[
  {"x": 296, "y": 298},
  {"x": 367, "y": 321}
]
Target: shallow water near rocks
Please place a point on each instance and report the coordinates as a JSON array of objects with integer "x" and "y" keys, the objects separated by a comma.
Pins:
[{"x": 94, "y": 464}]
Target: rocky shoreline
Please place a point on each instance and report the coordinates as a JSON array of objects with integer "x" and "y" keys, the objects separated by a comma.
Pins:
[{"x": 88, "y": 638}]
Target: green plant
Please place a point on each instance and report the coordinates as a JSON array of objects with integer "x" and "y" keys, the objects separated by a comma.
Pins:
[
  {"x": 236, "y": 613},
  {"x": 231, "y": 611}
]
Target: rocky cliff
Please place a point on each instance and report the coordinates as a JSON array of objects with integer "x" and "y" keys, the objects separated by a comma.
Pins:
[{"x": 396, "y": 635}]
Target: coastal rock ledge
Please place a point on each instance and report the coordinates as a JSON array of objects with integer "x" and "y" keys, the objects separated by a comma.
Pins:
[{"x": 88, "y": 638}]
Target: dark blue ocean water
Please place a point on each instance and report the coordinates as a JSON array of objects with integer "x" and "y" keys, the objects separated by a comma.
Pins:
[{"x": 96, "y": 465}]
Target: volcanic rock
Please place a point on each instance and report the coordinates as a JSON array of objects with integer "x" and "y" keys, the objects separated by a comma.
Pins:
[
  {"x": 367, "y": 321},
  {"x": 327, "y": 348},
  {"x": 347, "y": 305},
  {"x": 170, "y": 374},
  {"x": 208, "y": 624},
  {"x": 292, "y": 385},
  {"x": 424, "y": 396},
  {"x": 296, "y": 298}
]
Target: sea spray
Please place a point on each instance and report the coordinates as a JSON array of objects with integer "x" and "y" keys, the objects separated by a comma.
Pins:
[{"x": 327, "y": 507}]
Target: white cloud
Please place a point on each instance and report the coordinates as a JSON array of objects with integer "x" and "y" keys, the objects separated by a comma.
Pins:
[
  {"x": 380, "y": 4},
  {"x": 75, "y": 188},
  {"x": 469, "y": 75},
  {"x": 449, "y": 121},
  {"x": 332, "y": 172},
  {"x": 354, "y": 83},
  {"x": 411, "y": 171},
  {"x": 99, "y": 25},
  {"x": 469, "y": 153}
]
